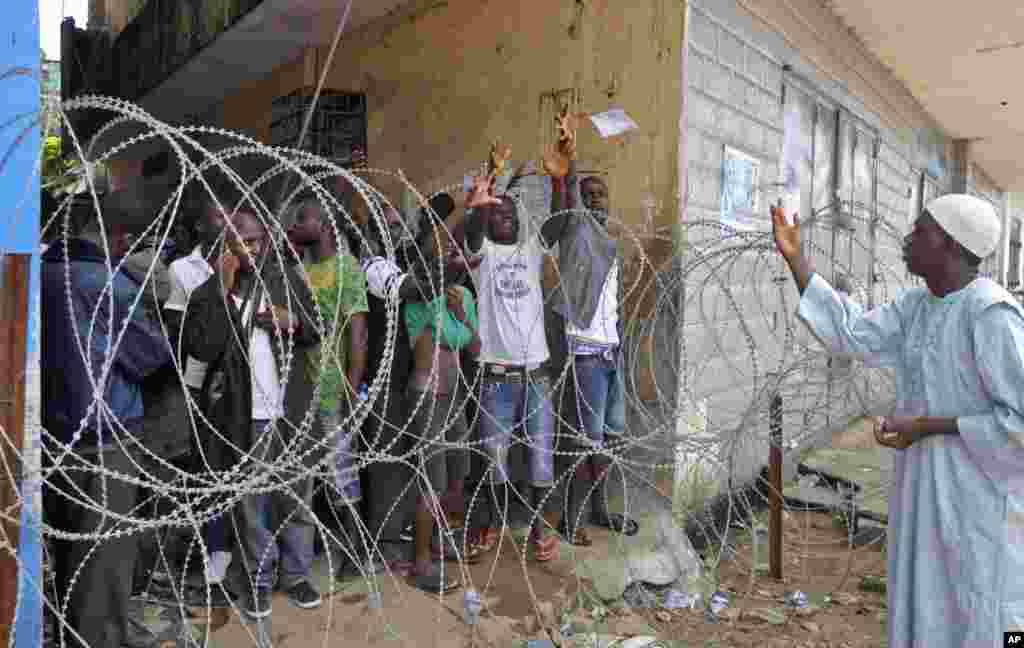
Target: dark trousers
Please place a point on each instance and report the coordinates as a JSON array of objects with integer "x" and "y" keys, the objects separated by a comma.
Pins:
[
  {"x": 171, "y": 549},
  {"x": 389, "y": 493},
  {"x": 160, "y": 548},
  {"x": 93, "y": 577}
]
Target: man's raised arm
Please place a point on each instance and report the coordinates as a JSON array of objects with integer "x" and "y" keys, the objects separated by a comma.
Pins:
[
  {"x": 843, "y": 326},
  {"x": 787, "y": 240}
]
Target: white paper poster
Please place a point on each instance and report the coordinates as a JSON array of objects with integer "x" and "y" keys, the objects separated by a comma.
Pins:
[
  {"x": 741, "y": 190},
  {"x": 613, "y": 122},
  {"x": 795, "y": 154}
]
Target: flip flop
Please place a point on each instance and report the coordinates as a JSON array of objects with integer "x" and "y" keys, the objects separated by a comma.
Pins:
[
  {"x": 453, "y": 549},
  {"x": 483, "y": 540},
  {"x": 545, "y": 549},
  {"x": 432, "y": 582},
  {"x": 619, "y": 523},
  {"x": 580, "y": 539}
]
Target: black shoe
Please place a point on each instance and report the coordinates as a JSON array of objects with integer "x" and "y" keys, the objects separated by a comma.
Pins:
[
  {"x": 138, "y": 636},
  {"x": 259, "y": 604},
  {"x": 349, "y": 571},
  {"x": 408, "y": 533},
  {"x": 220, "y": 597},
  {"x": 303, "y": 595}
]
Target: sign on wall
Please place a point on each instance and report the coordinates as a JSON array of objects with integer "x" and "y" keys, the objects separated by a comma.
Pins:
[{"x": 741, "y": 190}]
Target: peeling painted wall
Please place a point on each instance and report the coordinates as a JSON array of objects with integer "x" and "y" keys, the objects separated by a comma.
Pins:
[
  {"x": 442, "y": 85},
  {"x": 444, "y": 79}
]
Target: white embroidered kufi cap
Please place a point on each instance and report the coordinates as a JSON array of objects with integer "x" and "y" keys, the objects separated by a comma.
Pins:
[{"x": 971, "y": 221}]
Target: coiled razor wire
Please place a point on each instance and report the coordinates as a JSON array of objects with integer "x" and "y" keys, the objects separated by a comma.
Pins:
[{"x": 722, "y": 326}]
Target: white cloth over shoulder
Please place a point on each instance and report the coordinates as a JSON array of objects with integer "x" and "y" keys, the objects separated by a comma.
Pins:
[
  {"x": 383, "y": 277},
  {"x": 956, "y": 504},
  {"x": 186, "y": 274}
]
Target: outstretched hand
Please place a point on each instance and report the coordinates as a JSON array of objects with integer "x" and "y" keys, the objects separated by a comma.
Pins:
[
  {"x": 482, "y": 193},
  {"x": 500, "y": 155},
  {"x": 558, "y": 159},
  {"x": 787, "y": 237}
]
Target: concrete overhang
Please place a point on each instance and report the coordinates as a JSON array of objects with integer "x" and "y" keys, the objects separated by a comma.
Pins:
[
  {"x": 275, "y": 32},
  {"x": 961, "y": 60},
  {"x": 270, "y": 34}
]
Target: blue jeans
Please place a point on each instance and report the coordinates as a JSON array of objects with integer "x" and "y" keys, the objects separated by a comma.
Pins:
[
  {"x": 216, "y": 533},
  {"x": 278, "y": 530},
  {"x": 600, "y": 397},
  {"x": 518, "y": 409},
  {"x": 347, "y": 487}
]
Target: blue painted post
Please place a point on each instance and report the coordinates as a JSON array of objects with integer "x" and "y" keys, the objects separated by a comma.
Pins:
[{"x": 20, "y": 149}]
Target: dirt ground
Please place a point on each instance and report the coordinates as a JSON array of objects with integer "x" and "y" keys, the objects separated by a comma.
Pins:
[{"x": 817, "y": 560}]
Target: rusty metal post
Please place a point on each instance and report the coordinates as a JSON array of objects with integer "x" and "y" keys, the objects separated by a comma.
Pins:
[
  {"x": 775, "y": 487},
  {"x": 15, "y": 271}
]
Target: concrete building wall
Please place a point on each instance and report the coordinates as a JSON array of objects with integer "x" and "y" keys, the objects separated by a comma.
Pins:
[
  {"x": 981, "y": 185},
  {"x": 1015, "y": 242},
  {"x": 442, "y": 83},
  {"x": 746, "y": 61}
]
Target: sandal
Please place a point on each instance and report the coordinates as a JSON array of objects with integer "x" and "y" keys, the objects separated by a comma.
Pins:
[
  {"x": 580, "y": 539},
  {"x": 436, "y": 581},
  {"x": 544, "y": 549},
  {"x": 482, "y": 541},
  {"x": 453, "y": 549},
  {"x": 619, "y": 523}
]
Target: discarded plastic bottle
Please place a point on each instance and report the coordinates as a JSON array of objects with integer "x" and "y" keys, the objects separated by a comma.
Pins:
[
  {"x": 675, "y": 600},
  {"x": 760, "y": 547},
  {"x": 472, "y": 606},
  {"x": 374, "y": 600},
  {"x": 719, "y": 601},
  {"x": 797, "y": 600}
]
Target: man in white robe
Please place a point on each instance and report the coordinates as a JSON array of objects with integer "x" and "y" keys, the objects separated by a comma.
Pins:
[{"x": 956, "y": 504}]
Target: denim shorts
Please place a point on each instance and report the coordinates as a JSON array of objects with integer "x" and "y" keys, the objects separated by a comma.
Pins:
[
  {"x": 600, "y": 398},
  {"x": 518, "y": 411},
  {"x": 346, "y": 462}
]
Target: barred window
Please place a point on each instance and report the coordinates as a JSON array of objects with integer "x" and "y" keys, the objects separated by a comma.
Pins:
[{"x": 337, "y": 127}]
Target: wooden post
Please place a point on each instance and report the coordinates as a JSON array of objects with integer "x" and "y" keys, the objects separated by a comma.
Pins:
[
  {"x": 775, "y": 488},
  {"x": 15, "y": 270}
]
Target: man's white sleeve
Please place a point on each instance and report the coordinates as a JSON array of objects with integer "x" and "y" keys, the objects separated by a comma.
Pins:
[
  {"x": 177, "y": 300},
  {"x": 383, "y": 277},
  {"x": 844, "y": 328}
]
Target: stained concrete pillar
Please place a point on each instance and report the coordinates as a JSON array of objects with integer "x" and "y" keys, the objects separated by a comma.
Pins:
[{"x": 961, "y": 166}]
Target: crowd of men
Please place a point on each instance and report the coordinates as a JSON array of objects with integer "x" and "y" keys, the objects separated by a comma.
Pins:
[
  {"x": 228, "y": 383},
  {"x": 244, "y": 357}
]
